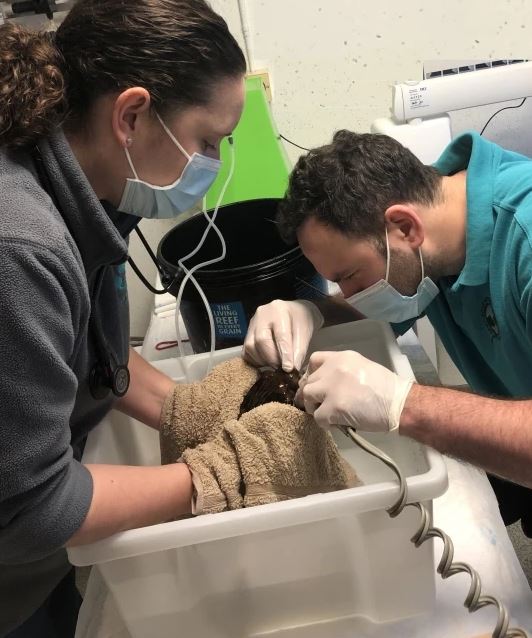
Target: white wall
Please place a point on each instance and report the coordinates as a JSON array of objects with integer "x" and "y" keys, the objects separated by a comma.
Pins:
[{"x": 332, "y": 61}]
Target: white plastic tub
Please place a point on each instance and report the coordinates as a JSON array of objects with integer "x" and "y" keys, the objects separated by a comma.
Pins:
[{"x": 299, "y": 567}]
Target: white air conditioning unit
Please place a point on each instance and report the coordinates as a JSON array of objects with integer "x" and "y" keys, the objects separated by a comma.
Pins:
[{"x": 456, "y": 91}]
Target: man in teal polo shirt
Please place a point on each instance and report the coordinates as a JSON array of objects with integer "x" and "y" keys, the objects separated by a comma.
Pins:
[{"x": 403, "y": 240}]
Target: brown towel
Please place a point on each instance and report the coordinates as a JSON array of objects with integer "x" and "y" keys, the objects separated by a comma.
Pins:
[
  {"x": 215, "y": 475},
  {"x": 195, "y": 412},
  {"x": 273, "y": 453},
  {"x": 284, "y": 454}
]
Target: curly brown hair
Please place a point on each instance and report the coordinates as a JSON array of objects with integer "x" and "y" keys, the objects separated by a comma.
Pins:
[
  {"x": 350, "y": 183},
  {"x": 176, "y": 49},
  {"x": 32, "y": 85}
]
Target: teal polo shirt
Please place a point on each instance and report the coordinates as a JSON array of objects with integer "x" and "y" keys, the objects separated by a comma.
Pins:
[{"x": 484, "y": 315}]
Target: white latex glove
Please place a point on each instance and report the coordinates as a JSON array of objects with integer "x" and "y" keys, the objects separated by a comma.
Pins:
[
  {"x": 345, "y": 388},
  {"x": 280, "y": 332}
]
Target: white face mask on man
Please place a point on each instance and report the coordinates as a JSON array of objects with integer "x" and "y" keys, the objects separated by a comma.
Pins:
[
  {"x": 383, "y": 302},
  {"x": 161, "y": 202}
]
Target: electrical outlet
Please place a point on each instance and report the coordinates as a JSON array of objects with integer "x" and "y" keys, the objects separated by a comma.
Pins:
[{"x": 264, "y": 75}]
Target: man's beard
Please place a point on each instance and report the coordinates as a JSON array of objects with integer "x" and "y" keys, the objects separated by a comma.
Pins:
[{"x": 405, "y": 271}]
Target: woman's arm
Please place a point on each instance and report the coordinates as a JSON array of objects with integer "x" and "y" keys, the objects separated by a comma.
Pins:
[
  {"x": 125, "y": 497},
  {"x": 147, "y": 390}
]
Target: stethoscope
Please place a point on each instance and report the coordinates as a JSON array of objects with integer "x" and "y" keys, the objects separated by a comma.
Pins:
[{"x": 107, "y": 374}]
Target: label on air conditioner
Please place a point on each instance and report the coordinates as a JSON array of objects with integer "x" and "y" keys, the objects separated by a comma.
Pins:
[{"x": 417, "y": 97}]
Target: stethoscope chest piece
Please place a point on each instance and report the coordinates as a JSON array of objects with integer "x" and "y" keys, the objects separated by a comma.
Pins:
[{"x": 104, "y": 378}]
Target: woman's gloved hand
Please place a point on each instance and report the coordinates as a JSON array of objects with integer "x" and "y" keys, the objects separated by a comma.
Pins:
[
  {"x": 195, "y": 412},
  {"x": 280, "y": 332},
  {"x": 216, "y": 476},
  {"x": 345, "y": 388}
]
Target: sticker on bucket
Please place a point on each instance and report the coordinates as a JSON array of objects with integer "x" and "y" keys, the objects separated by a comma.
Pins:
[{"x": 229, "y": 320}]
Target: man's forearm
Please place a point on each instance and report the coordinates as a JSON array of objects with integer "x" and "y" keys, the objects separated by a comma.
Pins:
[
  {"x": 493, "y": 434},
  {"x": 146, "y": 393},
  {"x": 125, "y": 497}
]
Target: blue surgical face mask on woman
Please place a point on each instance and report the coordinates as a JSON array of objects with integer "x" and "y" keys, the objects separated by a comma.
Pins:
[
  {"x": 161, "y": 202},
  {"x": 382, "y": 301}
]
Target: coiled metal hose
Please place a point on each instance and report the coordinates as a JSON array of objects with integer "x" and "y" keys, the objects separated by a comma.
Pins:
[{"x": 446, "y": 568}]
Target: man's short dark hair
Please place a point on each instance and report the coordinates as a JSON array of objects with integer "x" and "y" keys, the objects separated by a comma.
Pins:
[{"x": 350, "y": 183}]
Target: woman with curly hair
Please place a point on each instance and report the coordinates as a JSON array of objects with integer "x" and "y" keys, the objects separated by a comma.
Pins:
[{"x": 117, "y": 116}]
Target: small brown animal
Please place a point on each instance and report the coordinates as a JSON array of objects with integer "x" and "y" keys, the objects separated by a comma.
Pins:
[{"x": 271, "y": 386}]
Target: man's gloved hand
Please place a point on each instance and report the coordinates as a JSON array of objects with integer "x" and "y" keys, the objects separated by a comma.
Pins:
[
  {"x": 216, "y": 476},
  {"x": 280, "y": 332},
  {"x": 345, "y": 388}
]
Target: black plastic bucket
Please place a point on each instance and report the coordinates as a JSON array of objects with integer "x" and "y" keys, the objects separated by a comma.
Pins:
[{"x": 258, "y": 268}]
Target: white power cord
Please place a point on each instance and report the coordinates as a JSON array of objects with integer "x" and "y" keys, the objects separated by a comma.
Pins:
[
  {"x": 189, "y": 272},
  {"x": 446, "y": 568},
  {"x": 244, "y": 25}
]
